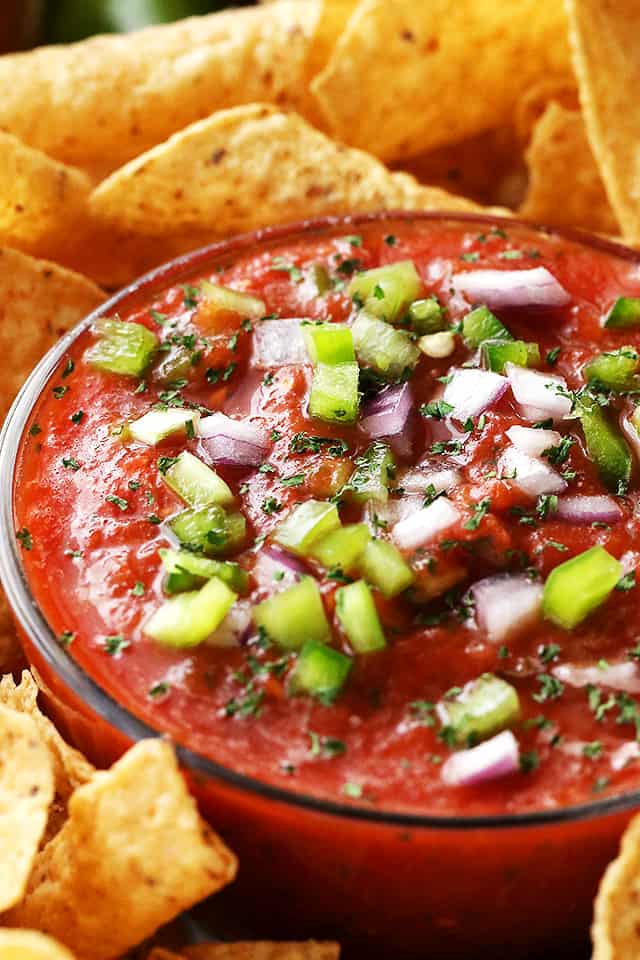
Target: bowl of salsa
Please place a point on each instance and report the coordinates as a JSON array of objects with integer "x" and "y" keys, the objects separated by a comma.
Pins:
[{"x": 349, "y": 510}]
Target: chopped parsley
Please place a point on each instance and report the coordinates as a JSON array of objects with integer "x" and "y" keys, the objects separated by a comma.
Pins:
[
  {"x": 59, "y": 392},
  {"x": 446, "y": 446},
  {"x": 271, "y": 505},
  {"x": 70, "y": 463},
  {"x": 438, "y": 409},
  {"x": 353, "y": 790},
  {"x": 560, "y": 452},
  {"x": 118, "y": 502},
  {"x": 24, "y": 538},
  {"x": 326, "y": 746},
  {"x": 552, "y": 356},
  {"x": 549, "y": 652},
  {"x": 529, "y": 761},
  {"x": 66, "y": 638},
  {"x": 354, "y": 240},
  {"x": 592, "y": 750},
  {"x": 627, "y": 582},
  {"x": 191, "y": 295},
  {"x": 69, "y": 367},
  {"x": 470, "y": 257},
  {"x": 479, "y": 512},
  {"x": 114, "y": 645},
  {"x": 138, "y": 589},
  {"x": 35, "y": 429},
  {"x": 304, "y": 443},
  {"x": 294, "y": 481},
  {"x": 295, "y": 273},
  {"x": 165, "y": 463},
  {"x": 159, "y": 690},
  {"x": 550, "y": 688},
  {"x": 77, "y": 417}
]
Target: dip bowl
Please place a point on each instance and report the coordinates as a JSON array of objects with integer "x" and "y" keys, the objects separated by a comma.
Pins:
[{"x": 380, "y": 882}]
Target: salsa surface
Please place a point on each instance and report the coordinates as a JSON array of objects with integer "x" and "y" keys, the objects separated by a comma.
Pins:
[{"x": 92, "y": 507}]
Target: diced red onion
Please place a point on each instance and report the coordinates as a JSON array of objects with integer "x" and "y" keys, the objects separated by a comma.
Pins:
[
  {"x": 284, "y": 558},
  {"x": 506, "y": 604},
  {"x": 511, "y": 288},
  {"x": 277, "y": 343},
  {"x": 245, "y": 399},
  {"x": 531, "y": 441},
  {"x": 234, "y": 627},
  {"x": 424, "y": 526},
  {"x": 533, "y": 477},
  {"x": 624, "y": 754},
  {"x": 584, "y": 509},
  {"x": 276, "y": 568},
  {"x": 387, "y": 415},
  {"x": 494, "y": 758},
  {"x": 538, "y": 392},
  {"x": 470, "y": 392},
  {"x": 417, "y": 480},
  {"x": 618, "y": 676},
  {"x": 234, "y": 442}
]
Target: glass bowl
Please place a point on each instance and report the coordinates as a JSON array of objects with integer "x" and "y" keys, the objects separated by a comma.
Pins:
[{"x": 378, "y": 881}]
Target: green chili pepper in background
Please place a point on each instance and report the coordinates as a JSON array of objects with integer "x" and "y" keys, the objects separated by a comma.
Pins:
[{"x": 607, "y": 447}]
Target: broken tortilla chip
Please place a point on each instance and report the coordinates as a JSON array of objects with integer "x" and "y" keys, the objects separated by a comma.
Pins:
[
  {"x": 26, "y": 792},
  {"x": 40, "y": 300},
  {"x": 41, "y": 200},
  {"x": 396, "y": 80},
  {"x": 616, "y": 925},
  {"x": 251, "y": 167},
  {"x": 565, "y": 189},
  {"x": 534, "y": 101},
  {"x": 109, "y": 879},
  {"x": 264, "y": 950},
  {"x": 30, "y": 945},
  {"x": 604, "y": 36},
  {"x": 98, "y": 103}
]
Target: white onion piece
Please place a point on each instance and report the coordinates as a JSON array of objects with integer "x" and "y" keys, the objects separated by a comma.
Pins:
[
  {"x": 417, "y": 481},
  {"x": 506, "y": 604},
  {"x": 533, "y": 477},
  {"x": 631, "y": 434},
  {"x": 424, "y": 526},
  {"x": 624, "y": 754},
  {"x": 470, "y": 392},
  {"x": 387, "y": 415},
  {"x": 494, "y": 758},
  {"x": 539, "y": 391},
  {"x": 583, "y": 509},
  {"x": 234, "y": 626},
  {"x": 618, "y": 676},
  {"x": 391, "y": 512},
  {"x": 277, "y": 343},
  {"x": 511, "y": 288},
  {"x": 533, "y": 442},
  {"x": 234, "y": 442}
]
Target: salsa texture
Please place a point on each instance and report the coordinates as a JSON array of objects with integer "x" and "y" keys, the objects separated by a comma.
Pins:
[{"x": 405, "y": 462}]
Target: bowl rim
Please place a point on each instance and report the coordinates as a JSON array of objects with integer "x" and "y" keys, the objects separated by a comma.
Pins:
[{"x": 33, "y": 623}]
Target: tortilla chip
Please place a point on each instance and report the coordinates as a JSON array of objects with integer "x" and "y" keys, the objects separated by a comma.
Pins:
[
  {"x": 26, "y": 790},
  {"x": 565, "y": 188},
  {"x": 71, "y": 769},
  {"x": 406, "y": 77},
  {"x": 115, "y": 96},
  {"x": 264, "y": 950},
  {"x": 616, "y": 925},
  {"x": 604, "y": 36},
  {"x": 40, "y": 199},
  {"x": 11, "y": 654},
  {"x": 30, "y": 945},
  {"x": 250, "y": 167},
  {"x": 534, "y": 101},
  {"x": 40, "y": 300},
  {"x": 133, "y": 854}
]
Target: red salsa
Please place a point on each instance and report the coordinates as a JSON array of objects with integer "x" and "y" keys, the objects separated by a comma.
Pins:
[{"x": 358, "y": 515}]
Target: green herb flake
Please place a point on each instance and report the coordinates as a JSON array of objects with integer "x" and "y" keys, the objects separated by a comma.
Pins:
[
  {"x": 627, "y": 582},
  {"x": 159, "y": 690},
  {"x": 592, "y": 750},
  {"x": 479, "y": 512},
  {"x": 472, "y": 257},
  {"x": 66, "y": 638},
  {"x": 271, "y": 506},
  {"x": 549, "y": 652},
  {"x": 24, "y": 538},
  {"x": 353, "y": 790},
  {"x": 35, "y": 429},
  {"x": 529, "y": 761},
  {"x": 77, "y": 417},
  {"x": 59, "y": 392},
  {"x": 326, "y": 746},
  {"x": 191, "y": 295},
  {"x": 118, "y": 502},
  {"x": 438, "y": 409},
  {"x": 70, "y": 463},
  {"x": 295, "y": 273},
  {"x": 294, "y": 481},
  {"x": 115, "y": 644},
  {"x": 552, "y": 356},
  {"x": 550, "y": 688},
  {"x": 138, "y": 589},
  {"x": 154, "y": 519},
  {"x": 69, "y": 367}
]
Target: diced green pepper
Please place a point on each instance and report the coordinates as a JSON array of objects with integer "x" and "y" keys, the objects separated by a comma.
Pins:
[
  {"x": 427, "y": 316},
  {"x": 373, "y": 473},
  {"x": 187, "y": 619},
  {"x": 320, "y": 671},
  {"x": 176, "y": 364},
  {"x": 481, "y": 325},
  {"x": 387, "y": 291},
  {"x": 196, "y": 483},
  {"x": 329, "y": 342},
  {"x": 485, "y": 707},
  {"x": 383, "y": 565},
  {"x": 224, "y": 298},
  {"x": 356, "y": 611},
  {"x": 122, "y": 347},
  {"x": 157, "y": 425},
  {"x": 495, "y": 353},
  {"x": 606, "y": 445},
  {"x": 209, "y": 530},
  {"x": 342, "y": 548},
  {"x": 334, "y": 394},
  {"x": 616, "y": 370},
  {"x": 576, "y": 587},
  {"x": 294, "y": 616},
  {"x": 188, "y": 571},
  {"x": 389, "y": 351},
  {"x": 624, "y": 313},
  {"x": 306, "y": 524}
]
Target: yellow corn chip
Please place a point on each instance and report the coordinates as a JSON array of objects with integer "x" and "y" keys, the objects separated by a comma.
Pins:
[
  {"x": 98, "y": 103},
  {"x": 406, "y": 77},
  {"x": 30, "y": 945},
  {"x": 604, "y": 36},
  {"x": 38, "y": 302},
  {"x": 264, "y": 950},
  {"x": 616, "y": 925},
  {"x": 565, "y": 188},
  {"x": 40, "y": 200},
  {"x": 250, "y": 167},
  {"x": 26, "y": 791},
  {"x": 133, "y": 854},
  {"x": 536, "y": 99}
]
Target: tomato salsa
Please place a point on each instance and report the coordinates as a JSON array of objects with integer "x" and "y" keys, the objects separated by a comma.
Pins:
[{"x": 358, "y": 515}]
